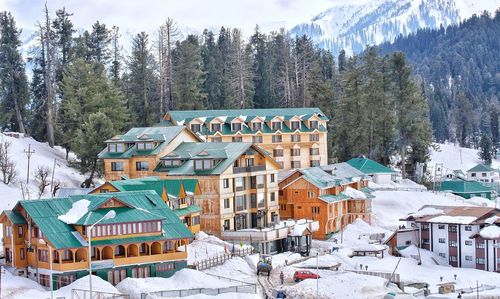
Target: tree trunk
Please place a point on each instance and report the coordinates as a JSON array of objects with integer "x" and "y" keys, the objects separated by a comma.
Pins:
[
  {"x": 19, "y": 116},
  {"x": 48, "y": 79}
]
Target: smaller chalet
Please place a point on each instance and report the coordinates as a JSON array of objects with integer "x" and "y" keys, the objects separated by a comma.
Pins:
[{"x": 379, "y": 173}]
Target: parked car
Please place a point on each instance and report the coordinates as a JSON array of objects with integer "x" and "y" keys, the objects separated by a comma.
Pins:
[{"x": 304, "y": 274}]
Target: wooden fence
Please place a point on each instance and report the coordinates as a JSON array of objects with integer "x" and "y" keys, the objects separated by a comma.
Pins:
[{"x": 221, "y": 259}]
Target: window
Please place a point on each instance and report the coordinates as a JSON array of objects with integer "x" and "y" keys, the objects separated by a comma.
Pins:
[
  {"x": 453, "y": 258},
  {"x": 115, "y": 276},
  {"x": 201, "y": 164},
  {"x": 272, "y": 178},
  {"x": 408, "y": 242},
  {"x": 314, "y": 151},
  {"x": 235, "y": 127},
  {"x": 442, "y": 240},
  {"x": 295, "y": 125},
  {"x": 165, "y": 267},
  {"x": 443, "y": 255},
  {"x": 241, "y": 203},
  {"x": 295, "y": 152},
  {"x": 276, "y": 125},
  {"x": 425, "y": 226},
  {"x": 315, "y": 210},
  {"x": 295, "y": 138},
  {"x": 310, "y": 194},
  {"x": 172, "y": 162},
  {"x": 473, "y": 174},
  {"x": 273, "y": 196},
  {"x": 440, "y": 226},
  {"x": 468, "y": 228},
  {"x": 227, "y": 224},
  {"x": 20, "y": 231},
  {"x": 452, "y": 228},
  {"x": 314, "y": 137},
  {"x": 257, "y": 126},
  {"x": 215, "y": 127},
  {"x": 143, "y": 146},
  {"x": 45, "y": 280},
  {"x": 22, "y": 255},
  {"x": 483, "y": 174},
  {"x": 277, "y": 152},
  {"x": 479, "y": 244},
  {"x": 43, "y": 255},
  {"x": 468, "y": 242},
  {"x": 277, "y": 138},
  {"x": 453, "y": 243},
  {"x": 140, "y": 272},
  {"x": 225, "y": 183},
  {"x": 239, "y": 183},
  {"x": 282, "y": 164},
  {"x": 226, "y": 203},
  {"x": 479, "y": 261},
  {"x": 195, "y": 127},
  {"x": 237, "y": 139},
  {"x": 116, "y": 166},
  {"x": 216, "y": 139},
  {"x": 141, "y": 165},
  {"x": 257, "y": 139},
  {"x": 314, "y": 163},
  {"x": 116, "y": 147},
  {"x": 295, "y": 164},
  {"x": 468, "y": 257},
  {"x": 313, "y": 124}
]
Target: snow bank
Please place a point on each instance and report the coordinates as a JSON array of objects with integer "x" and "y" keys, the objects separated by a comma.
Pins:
[
  {"x": 429, "y": 211},
  {"x": 428, "y": 258},
  {"x": 236, "y": 268},
  {"x": 453, "y": 219},
  {"x": 353, "y": 193},
  {"x": 490, "y": 232},
  {"x": 76, "y": 212},
  {"x": 481, "y": 201},
  {"x": 373, "y": 185},
  {"x": 183, "y": 279}
]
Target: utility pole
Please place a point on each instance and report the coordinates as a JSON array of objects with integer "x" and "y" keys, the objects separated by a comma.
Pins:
[{"x": 28, "y": 153}]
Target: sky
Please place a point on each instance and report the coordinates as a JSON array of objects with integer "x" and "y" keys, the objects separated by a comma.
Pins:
[{"x": 133, "y": 16}]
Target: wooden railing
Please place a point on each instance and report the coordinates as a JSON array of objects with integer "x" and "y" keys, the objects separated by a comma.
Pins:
[
  {"x": 249, "y": 168},
  {"x": 221, "y": 259}
]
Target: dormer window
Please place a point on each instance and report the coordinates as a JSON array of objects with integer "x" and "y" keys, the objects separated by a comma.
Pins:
[
  {"x": 313, "y": 124},
  {"x": 236, "y": 127},
  {"x": 204, "y": 164},
  {"x": 116, "y": 147},
  {"x": 295, "y": 125},
  {"x": 215, "y": 127},
  {"x": 172, "y": 162},
  {"x": 195, "y": 128},
  {"x": 144, "y": 146},
  {"x": 257, "y": 126},
  {"x": 276, "y": 125}
]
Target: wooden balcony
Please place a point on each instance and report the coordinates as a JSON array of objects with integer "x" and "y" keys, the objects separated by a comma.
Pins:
[{"x": 249, "y": 168}]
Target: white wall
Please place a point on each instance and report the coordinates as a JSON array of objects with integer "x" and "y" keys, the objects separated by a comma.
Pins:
[
  {"x": 404, "y": 236},
  {"x": 382, "y": 178},
  {"x": 468, "y": 250},
  {"x": 437, "y": 234}
]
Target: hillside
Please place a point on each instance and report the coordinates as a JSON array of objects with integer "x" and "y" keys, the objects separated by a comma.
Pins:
[
  {"x": 43, "y": 156},
  {"x": 352, "y": 26}
]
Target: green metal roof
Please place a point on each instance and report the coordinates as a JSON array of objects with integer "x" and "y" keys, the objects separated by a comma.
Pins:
[
  {"x": 481, "y": 168},
  {"x": 463, "y": 186},
  {"x": 247, "y": 114},
  {"x": 329, "y": 198},
  {"x": 161, "y": 135},
  {"x": 369, "y": 166},
  {"x": 142, "y": 205},
  {"x": 188, "y": 210},
  {"x": 15, "y": 217},
  {"x": 172, "y": 186},
  {"x": 209, "y": 150}
]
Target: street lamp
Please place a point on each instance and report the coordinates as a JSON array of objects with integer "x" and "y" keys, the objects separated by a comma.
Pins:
[
  {"x": 109, "y": 215},
  {"x": 42, "y": 241}
]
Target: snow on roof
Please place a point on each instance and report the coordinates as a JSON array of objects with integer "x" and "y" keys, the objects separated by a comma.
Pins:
[
  {"x": 369, "y": 247},
  {"x": 223, "y": 118},
  {"x": 492, "y": 219},
  {"x": 181, "y": 122},
  {"x": 76, "y": 212},
  {"x": 353, "y": 193},
  {"x": 202, "y": 119},
  {"x": 428, "y": 211},
  {"x": 490, "y": 232},
  {"x": 298, "y": 230},
  {"x": 243, "y": 117},
  {"x": 453, "y": 219}
]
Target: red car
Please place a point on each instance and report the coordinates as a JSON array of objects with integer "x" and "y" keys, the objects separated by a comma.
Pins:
[{"x": 304, "y": 274}]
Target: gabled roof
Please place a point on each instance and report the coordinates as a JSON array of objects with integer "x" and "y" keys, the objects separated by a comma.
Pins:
[
  {"x": 14, "y": 217},
  {"x": 329, "y": 175},
  {"x": 161, "y": 135},
  {"x": 225, "y": 153},
  {"x": 463, "y": 186},
  {"x": 453, "y": 214},
  {"x": 481, "y": 168},
  {"x": 368, "y": 166},
  {"x": 173, "y": 187},
  {"x": 146, "y": 205},
  {"x": 249, "y": 114}
]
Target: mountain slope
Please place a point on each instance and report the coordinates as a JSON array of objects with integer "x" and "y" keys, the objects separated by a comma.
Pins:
[{"x": 353, "y": 26}]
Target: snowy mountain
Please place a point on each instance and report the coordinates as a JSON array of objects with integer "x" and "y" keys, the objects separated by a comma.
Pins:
[{"x": 353, "y": 26}]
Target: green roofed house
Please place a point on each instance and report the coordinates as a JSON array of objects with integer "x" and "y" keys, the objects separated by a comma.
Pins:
[
  {"x": 179, "y": 194},
  {"x": 379, "y": 173},
  {"x": 482, "y": 173},
  {"x": 466, "y": 189},
  {"x": 295, "y": 137},
  {"x": 143, "y": 239}
]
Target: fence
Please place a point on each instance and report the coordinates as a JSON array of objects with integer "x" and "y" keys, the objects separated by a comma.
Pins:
[
  {"x": 221, "y": 259},
  {"x": 242, "y": 287},
  {"x": 387, "y": 275},
  {"x": 84, "y": 294}
]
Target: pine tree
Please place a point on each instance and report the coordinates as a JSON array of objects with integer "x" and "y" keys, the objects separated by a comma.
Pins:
[
  {"x": 13, "y": 81},
  {"x": 213, "y": 80},
  {"x": 116, "y": 63},
  {"x": 495, "y": 128},
  {"x": 240, "y": 75},
  {"x": 188, "y": 75},
  {"x": 485, "y": 149},
  {"x": 261, "y": 66},
  {"x": 98, "y": 43},
  {"x": 63, "y": 31},
  {"x": 142, "y": 83},
  {"x": 167, "y": 36}
]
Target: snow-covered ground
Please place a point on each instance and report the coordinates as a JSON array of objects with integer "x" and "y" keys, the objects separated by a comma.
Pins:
[
  {"x": 455, "y": 157},
  {"x": 43, "y": 156}
]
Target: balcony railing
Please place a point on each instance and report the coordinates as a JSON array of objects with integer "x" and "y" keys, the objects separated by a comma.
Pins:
[{"x": 249, "y": 168}]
